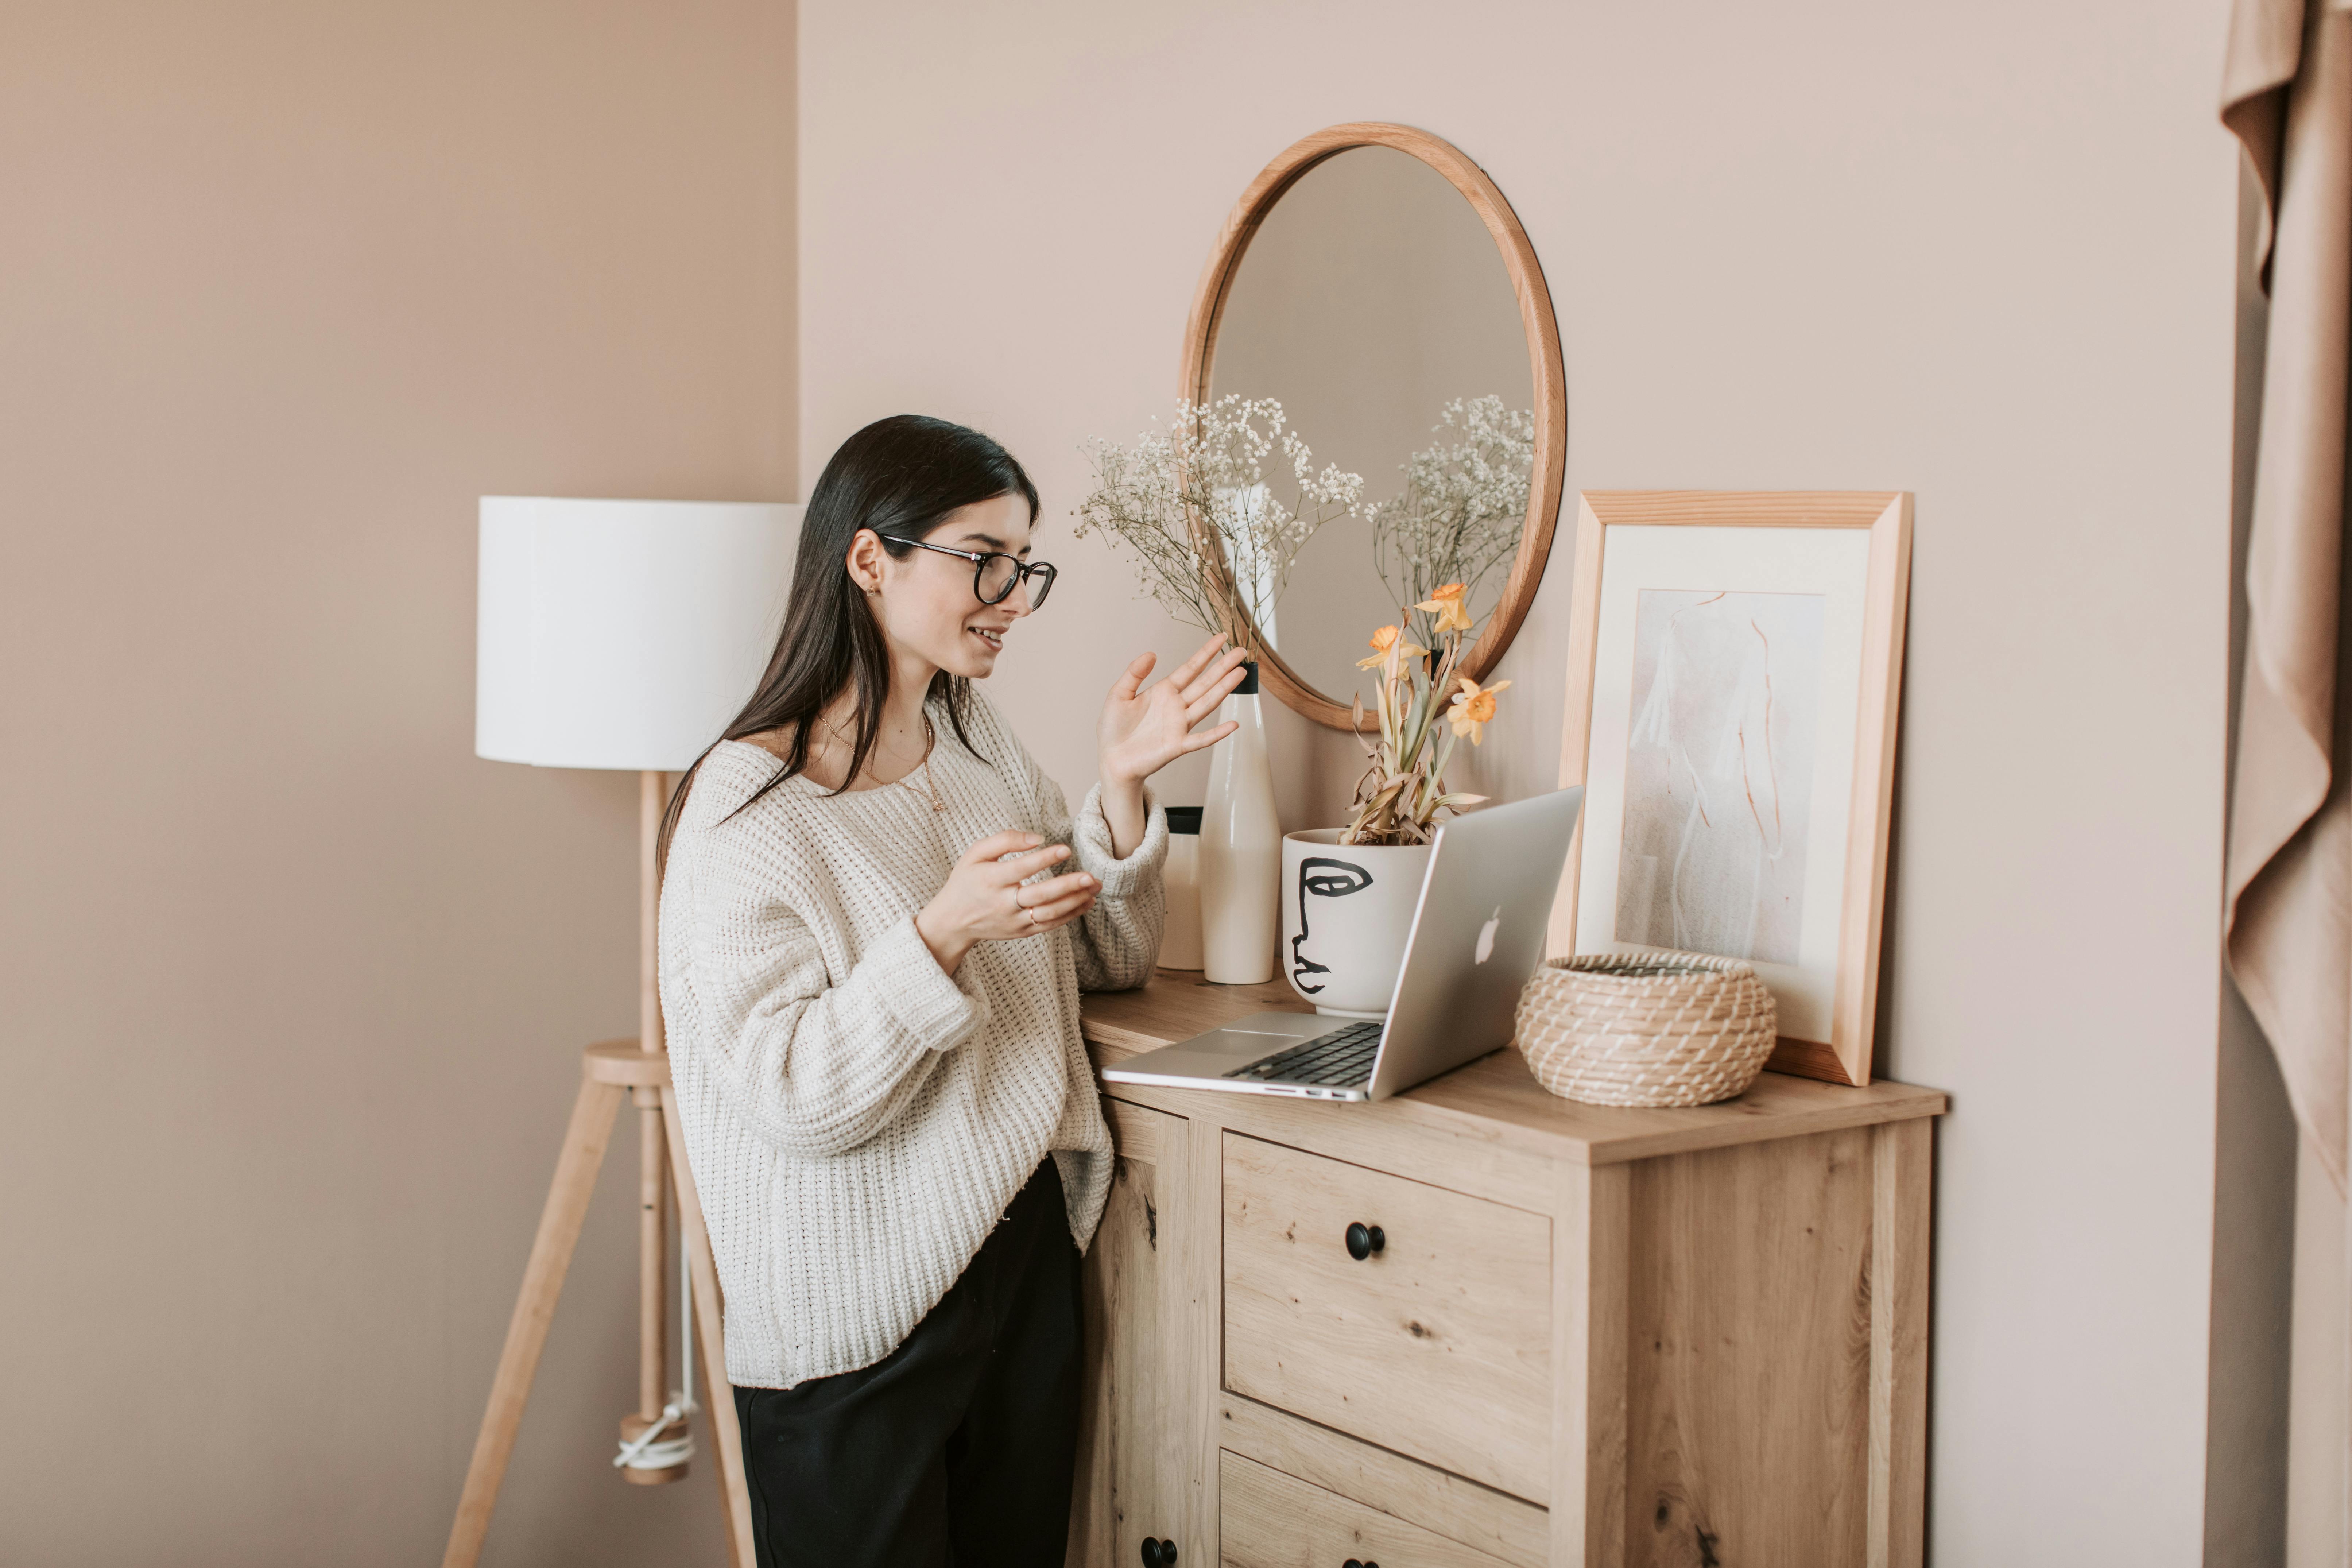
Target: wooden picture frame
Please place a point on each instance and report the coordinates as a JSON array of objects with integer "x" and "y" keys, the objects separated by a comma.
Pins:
[
  {"x": 1196, "y": 375},
  {"x": 1670, "y": 709}
]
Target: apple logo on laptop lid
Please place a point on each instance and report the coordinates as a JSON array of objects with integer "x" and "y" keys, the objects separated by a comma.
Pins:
[{"x": 1486, "y": 936}]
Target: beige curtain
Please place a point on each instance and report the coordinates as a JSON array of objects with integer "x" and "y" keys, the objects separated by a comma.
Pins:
[
  {"x": 2287, "y": 918},
  {"x": 2289, "y": 914}
]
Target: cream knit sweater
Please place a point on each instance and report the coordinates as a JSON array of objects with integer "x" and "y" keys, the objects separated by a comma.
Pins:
[{"x": 858, "y": 1120}]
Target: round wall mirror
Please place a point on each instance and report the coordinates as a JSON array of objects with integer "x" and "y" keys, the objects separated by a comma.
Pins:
[{"x": 1375, "y": 283}]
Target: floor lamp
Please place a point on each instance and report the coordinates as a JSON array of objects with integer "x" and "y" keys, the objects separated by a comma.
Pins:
[{"x": 618, "y": 634}]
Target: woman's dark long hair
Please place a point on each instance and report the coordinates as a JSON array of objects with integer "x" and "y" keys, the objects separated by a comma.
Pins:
[{"x": 900, "y": 477}]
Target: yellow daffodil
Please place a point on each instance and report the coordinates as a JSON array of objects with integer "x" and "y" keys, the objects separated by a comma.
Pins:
[
  {"x": 1473, "y": 706},
  {"x": 1446, "y": 605},
  {"x": 1384, "y": 644}
]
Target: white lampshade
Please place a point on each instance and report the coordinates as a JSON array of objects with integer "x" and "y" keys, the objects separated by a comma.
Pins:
[{"x": 622, "y": 633}]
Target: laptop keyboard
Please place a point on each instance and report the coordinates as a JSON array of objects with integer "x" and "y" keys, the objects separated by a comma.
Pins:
[{"x": 1342, "y": 1058}]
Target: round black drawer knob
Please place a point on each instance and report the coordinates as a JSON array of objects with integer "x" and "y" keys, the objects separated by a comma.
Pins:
[
  {"x": 1363, "y": 1241},
  {"x": 1159, "y": 1553}
]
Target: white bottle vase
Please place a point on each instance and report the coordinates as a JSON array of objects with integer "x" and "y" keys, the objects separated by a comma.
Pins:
[{"x": 1240, "y": 851}]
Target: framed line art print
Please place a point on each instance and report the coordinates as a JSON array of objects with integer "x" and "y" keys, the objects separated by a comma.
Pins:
[{"x": 1735, "y": 663}]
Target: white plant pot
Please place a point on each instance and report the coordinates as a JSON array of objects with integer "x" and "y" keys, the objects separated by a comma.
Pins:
[{"x": 1347, "y": 911}]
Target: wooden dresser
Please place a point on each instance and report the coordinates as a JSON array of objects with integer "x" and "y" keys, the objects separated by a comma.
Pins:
[{"x": 1478, "y": 1325}]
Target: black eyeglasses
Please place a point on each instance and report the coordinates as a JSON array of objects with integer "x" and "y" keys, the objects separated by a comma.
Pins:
[{"x": 994, "y": 574}]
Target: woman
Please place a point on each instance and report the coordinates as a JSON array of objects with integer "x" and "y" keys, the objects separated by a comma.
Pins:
[{"x": 870, "y": 966}]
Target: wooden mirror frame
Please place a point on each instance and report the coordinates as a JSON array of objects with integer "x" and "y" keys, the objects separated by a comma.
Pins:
[{"x": 1543, "y": 359}]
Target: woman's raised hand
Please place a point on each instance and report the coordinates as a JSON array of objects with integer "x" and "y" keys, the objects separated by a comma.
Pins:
[
  {"x": 984, "y": 898},
  {"x": 1145, "y": 728}
]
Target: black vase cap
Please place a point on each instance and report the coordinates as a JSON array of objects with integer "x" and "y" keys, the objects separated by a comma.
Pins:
[
  {"x": 1184, "y": 818},
  {"x": 1248, "y": 688}
]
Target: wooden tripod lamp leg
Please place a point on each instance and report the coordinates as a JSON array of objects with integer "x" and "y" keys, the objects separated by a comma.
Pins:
[
  {"x": 653, "y": 1304},
  {"x": 585, "y": 1142},
  {"x": 709, "y": 1319},
  {"x": 653, "y": 1253},
  {"x": 640, "y": 1068}
]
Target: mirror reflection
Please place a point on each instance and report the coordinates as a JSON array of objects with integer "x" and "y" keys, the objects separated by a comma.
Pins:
[{"x": 1373, "y": 305}]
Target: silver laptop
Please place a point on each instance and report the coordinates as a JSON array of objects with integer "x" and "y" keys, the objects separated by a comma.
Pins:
[{"x": 1477, "y": 935}]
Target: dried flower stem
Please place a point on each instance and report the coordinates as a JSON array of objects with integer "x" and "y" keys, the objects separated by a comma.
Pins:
[{"x": 1403, "y": 792}]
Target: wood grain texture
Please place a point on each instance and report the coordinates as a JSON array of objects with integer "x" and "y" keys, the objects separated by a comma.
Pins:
[
  {"x": 1536, "y": 318},
  {"x": 653, "y": 1263},
  {"x": 1734, "y": 1305},
  {"x": 1135, "y": 1439},
  {"x": 1862, "y": 924},
  {"x": 1589, "y": 1232},
  {"x": 710, "y": 1342},
  {"x": 1492, "y": 1521},
  {"x": 1902, "y": 1156},
  {"x": 1138, "y": 1132},
  {"x": 622, "y": 1062},
  {"x": 585, "y": 1142},
  {"x": 1438, "y": 1346},
  {"x": 1749, "y": 1370},
  {"x": 1273, "y": 1520},
  {"x": 1845, "y": 1055},
  {"x": 1576, "y": 716},
  {"x": 1816, "y": 1059},
  {"x": 1201, "y": 1250},
  {"x": 1461, "y": 1161},
  {"x": 1174, "y": 1004},
  {"x": 1740, "y": 509},
  {"x": 1498, "y": 1124},
  {"x": 1094, "y": 1529}
]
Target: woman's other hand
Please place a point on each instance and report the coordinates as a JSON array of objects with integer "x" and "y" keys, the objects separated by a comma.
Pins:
[
  {"x": 1145, "y": 728},
  {"x": 984, "y": 898}
]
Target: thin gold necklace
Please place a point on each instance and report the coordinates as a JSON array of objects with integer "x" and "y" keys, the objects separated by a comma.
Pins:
[{"x": 929, "y": 790}]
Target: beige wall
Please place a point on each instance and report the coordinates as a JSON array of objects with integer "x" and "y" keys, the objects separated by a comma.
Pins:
[
  {"x": 1984, "y": 253},
  {"x": 293, "y": 985}
]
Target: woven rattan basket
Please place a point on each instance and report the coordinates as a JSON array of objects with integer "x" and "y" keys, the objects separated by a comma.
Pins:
[{"x": 1646, "y": 1028}]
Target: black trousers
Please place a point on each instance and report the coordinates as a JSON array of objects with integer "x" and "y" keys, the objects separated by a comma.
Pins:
[{"x": 956, "y": 1448}]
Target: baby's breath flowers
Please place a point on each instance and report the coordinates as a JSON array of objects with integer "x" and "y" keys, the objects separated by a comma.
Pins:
[
  {"x": 1205, "y": 477},
  {"x": 1462, "y": 508},
  {"x": 1402, "y": 794}
]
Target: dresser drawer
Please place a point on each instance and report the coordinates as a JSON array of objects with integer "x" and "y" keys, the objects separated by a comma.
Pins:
[
  {"x": 1436, "y": 1346},
  {"x": 1268, "y": 1520}
]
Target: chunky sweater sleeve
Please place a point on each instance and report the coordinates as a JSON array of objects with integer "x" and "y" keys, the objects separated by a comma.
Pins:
[{"x": 815, "y": 1062}]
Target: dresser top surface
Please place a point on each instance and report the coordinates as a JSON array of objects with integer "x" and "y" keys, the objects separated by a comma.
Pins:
[{"x": 1496, "y": 1097}]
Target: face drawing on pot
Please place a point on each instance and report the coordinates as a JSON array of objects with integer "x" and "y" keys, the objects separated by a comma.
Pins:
[{"x": 1319, "y": 877}]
